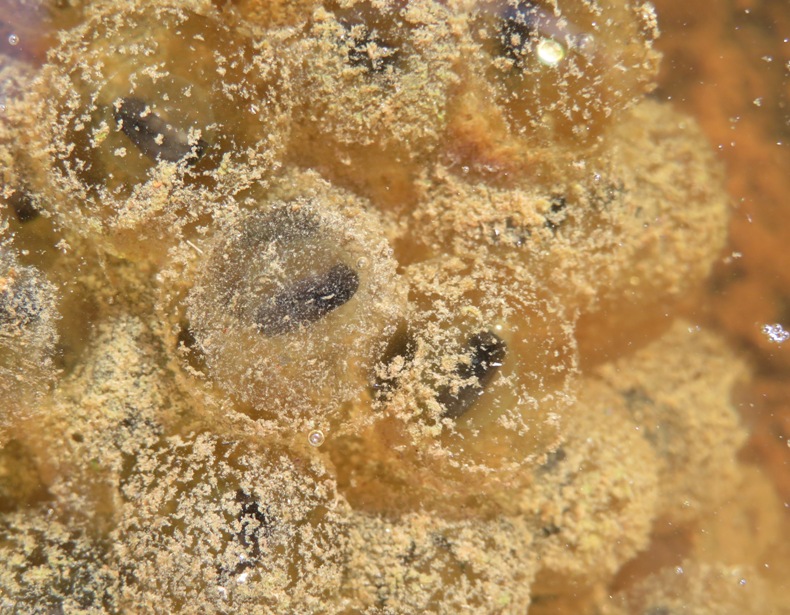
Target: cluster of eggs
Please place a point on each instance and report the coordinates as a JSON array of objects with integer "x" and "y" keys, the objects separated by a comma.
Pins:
[{"x": 331, "y": 306}]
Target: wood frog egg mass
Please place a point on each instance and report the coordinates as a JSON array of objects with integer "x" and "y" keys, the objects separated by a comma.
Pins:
[{"x": 352, "y": 306}]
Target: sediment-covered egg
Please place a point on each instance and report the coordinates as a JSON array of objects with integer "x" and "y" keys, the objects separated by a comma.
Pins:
[
  {"x": 622, "y": 240},
  {"x": 558, "y": 71},
  {"x": 696, "y": 588},
  {"x": 291, "y": 305},
  {"x": 211, "y": 525},
  {"x": 424, "y": 563},
  {"x": 27, "y": 339},
  {"x": 684, "y": 409},
  {"x": 372, "y": 82},
  {"x": 658, "y": 236},
  {"x": 468, "y": 397},
  {"x": 52, "y": 565},
  {"x": 592, "y": 504},
  {"x": 143, "y": 117}
]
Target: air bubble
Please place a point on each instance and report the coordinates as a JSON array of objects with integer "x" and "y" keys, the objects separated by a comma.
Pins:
[
  {"x": 550, "y": 52},
  {"x": 316, "y": 438}
]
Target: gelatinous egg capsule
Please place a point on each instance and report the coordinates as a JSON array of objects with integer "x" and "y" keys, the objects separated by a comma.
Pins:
[
  {"x": 613, "y": 473},
  {"x": 542, "y": 80},
  {"x": 27, "y": 338},
  {"x": 699, "y": 584},
  {"x": 393, "y": 564},
  {"x": 375, "y": 79},
  {"x": 468, "y": 400},
  {"x": 292, "y": 304},
  {"x": 156, "y": 109},
  {"x": 560, "y": 236},
  {"x": 202, "y": 512},
  {"x": 657, "y": 239},
  {"x": 676, "y": 405},
  {"x": 564, "y": 68}
]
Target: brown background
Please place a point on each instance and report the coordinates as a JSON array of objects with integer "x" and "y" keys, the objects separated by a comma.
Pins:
[{"x": 727, "y": 62}]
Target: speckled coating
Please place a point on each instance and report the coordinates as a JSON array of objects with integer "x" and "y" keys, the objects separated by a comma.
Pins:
[{"x": 393, "y": 223}]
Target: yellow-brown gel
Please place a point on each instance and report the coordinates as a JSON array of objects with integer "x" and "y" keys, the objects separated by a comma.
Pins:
[{"x": 361, "y": 306}]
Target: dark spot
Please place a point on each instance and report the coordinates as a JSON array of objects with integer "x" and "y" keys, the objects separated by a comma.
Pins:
[
  {"x": 486, "y": 352},
  {"x": 557, "y": 213},
  {"x": 638, "y": 402},
  {"x": 550, "y": 530},
  {"x": 188, "y": 347},
  {"x": 154, "y": 136},
  {"x": 602, "y": 197},
  {"x": 78, "y": 438},
  {"x": 399, "y": 352},
  {"x": 440, "y": 541},
  {"x": 186, "y": 339},
  {"x": 509, "y": 232},
  {"x": 307, "y": 300},
  {"x": 255, "y": 525},
  {"x": 554, "y": 459},
  {"x": 22, "y": 204},
  {"x": 408, "y": 558},
  {"x": 518, "y": 28},
  {"x": 366, "y": 49}
]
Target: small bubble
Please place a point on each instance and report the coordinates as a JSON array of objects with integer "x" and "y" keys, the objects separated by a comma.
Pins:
[
  {"x": 742, "y": 582},
  {"x": 316, "y": 438},
  {"x": 13, "y": 40},
  {"x": 362, "y": 262},
  {"x": 550, "y": 52},
  {"x": 678, "y": 570},
  {"x": 776, "y": 333}
]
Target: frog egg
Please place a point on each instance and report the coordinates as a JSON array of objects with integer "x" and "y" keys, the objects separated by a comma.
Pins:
[
  {"x": 561, "y": 70},
  {"x": 684, "y": 408},
  {"x": 553, "y": 234},
  {"x": 208, "y": 522},
  {"x": 292, "y": 304},
  {"x": 422, "y": 563},
  {"x": 117, "y": 401},
  {"x": 374, "y": 80},
  {"x": 142, "y": 117},
  {"x": 665, "y": 213},
  {"x": 592, "y": 504},
  {"x": 27, "y": 339},
  {"x": 21, "y": 486},
  {"x": 468, "y": 402}
]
